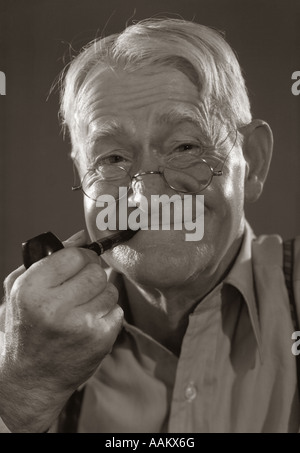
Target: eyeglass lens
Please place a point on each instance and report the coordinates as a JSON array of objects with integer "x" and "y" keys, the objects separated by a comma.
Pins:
[{"x": 191, "y": 179}]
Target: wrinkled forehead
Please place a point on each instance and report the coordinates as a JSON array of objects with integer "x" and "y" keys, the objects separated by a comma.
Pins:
[
  {"x": 116, "y": 92},
  {"x": 111, "y": 96}
]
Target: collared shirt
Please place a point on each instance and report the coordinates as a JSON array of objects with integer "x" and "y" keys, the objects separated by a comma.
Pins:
[{"x": 235, "y": 372}]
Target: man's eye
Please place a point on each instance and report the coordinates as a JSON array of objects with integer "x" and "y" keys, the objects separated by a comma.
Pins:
[
  {"x": 109, "y": 160},
  {"x": 187, "y": 147}
]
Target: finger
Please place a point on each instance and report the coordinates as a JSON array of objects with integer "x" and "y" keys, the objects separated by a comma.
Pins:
[
  {"x": 90, "y": 282},
  {"x": 91, "y": 312},
  {"x": 104, "y": 302},
  {"x": 101, "y": 326},
  {"x": 111, "y": 324},
  {"x": 77, "y": 240},
  {"x": 114, "y": 317},
  {"x": 11, "y": 278},
  {"x": 55, "y": 269}
]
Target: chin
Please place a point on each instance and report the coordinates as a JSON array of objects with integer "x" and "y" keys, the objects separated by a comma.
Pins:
[{"x": 161, "y": 264}]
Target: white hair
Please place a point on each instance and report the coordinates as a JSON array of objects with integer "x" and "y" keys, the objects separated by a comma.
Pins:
[{"x": 198, "y": 51}]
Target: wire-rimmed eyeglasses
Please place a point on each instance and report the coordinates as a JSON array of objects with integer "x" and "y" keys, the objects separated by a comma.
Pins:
[{"x": 184, "y": 173}]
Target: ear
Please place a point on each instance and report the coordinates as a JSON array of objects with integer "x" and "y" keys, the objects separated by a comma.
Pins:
[
  {"x": 257, "y": 150},
  {"x": 79, "y": 164}
]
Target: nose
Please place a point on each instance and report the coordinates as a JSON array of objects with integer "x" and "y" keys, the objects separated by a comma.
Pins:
[
  {"x": 148, "y": 176},
  {"x": 147, "y": 183}
]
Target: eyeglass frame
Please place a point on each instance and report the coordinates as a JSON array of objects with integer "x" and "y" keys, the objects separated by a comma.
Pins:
[{"x": 161, "y": 171}]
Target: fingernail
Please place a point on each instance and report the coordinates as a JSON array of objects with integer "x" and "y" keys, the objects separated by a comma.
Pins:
[{"x": 76, "y": 236}]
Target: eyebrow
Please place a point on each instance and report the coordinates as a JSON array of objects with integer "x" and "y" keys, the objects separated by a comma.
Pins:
[
  {"x": 112, "y": 128},
  {"x": 106, "y": 129},
  {"x": 179, "y": 115}
]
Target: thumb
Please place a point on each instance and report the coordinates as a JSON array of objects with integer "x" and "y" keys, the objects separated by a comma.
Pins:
[{"x": 77, "y": 240}]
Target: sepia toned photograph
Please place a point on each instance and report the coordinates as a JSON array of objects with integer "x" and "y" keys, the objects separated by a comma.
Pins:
[{"x": 150, "y": 219}]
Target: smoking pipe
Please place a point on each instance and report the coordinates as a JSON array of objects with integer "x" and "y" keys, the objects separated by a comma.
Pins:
[{"x": 45, "y": 244}]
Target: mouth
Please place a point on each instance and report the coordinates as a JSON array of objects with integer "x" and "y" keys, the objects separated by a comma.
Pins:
[
  {"x": 151, "y": 223},
  {"x": 108, "y": 243}
]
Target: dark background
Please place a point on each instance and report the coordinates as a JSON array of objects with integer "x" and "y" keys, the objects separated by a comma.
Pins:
[{"x": 35, "y": 41}]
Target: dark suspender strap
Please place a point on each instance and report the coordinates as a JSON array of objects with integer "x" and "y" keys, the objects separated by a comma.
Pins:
[
  {"x": 69, "y": 417},
  {"x": 288, "y": 266}
]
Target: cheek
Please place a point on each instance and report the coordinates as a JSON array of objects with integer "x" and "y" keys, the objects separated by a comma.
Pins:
[
  {"x": 224, "y": 200},
  {"x": 90, "y": 214},
  {"x": 233, "y": 183}
]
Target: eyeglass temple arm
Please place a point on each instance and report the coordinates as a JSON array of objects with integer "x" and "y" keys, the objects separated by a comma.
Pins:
[
  {"x": 220, "y": 172},
  {"x": 75, "y": 179},
  {"x": 76, "y": 187}
]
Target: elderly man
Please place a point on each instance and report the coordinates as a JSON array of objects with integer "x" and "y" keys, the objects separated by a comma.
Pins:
[{"x": 184, "y": 336}]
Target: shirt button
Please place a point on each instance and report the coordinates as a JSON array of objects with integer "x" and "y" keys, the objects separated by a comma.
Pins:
[{"x": 190, "y": 392}]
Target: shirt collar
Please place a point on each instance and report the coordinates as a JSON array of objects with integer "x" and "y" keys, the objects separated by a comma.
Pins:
[{"x": 241, "y": 277}]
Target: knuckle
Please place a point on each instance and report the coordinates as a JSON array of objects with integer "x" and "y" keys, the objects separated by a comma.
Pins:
[
  {"x": 19, "y": 288},
  {"x": 26, "y": 286},
  {"x": 7, "y": 280},
  {"x": 10, "y": 280},
  {"x": 76, "y": 256},
  {"x": 118, "y": 314},
  {"x": 96, "y": 269},
  {"x": 95, "y": 275},
  {"x": 112, "y": 323},
  {"x": 107, "y": 300},
  {"x": 112, "y": 291},
  {"x": 80, "y": 257},
  {"x": 7, "y": 284},
  {"x": 114, "y": 318},
  {"x": 117, "y": 318},
  {"x": 28, "y": 294}
]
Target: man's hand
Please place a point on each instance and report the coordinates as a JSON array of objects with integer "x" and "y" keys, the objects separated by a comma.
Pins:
[{"x": 62, "y": 318}]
